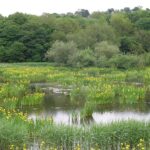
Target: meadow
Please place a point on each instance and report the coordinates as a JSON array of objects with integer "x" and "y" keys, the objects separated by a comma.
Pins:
[{"x": 91, "y": 86}]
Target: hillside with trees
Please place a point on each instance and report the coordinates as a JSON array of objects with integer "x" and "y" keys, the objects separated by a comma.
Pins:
[{"x": 114, "y": 38}]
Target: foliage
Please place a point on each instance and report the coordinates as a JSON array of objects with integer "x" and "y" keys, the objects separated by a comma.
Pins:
[
  {"x": 105, "y": 49},
  {"x": 29, "y": 38},
  {"x": 130, "y": 45},
  {"x": 83, "y": 58},
  {"x": 61, "y": 52},
  {"x": 127, "y": 61},
  {"x": 82, "y": 12}
]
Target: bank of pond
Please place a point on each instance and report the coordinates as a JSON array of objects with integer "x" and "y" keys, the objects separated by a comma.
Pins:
[{"x": 45, "y": 107}]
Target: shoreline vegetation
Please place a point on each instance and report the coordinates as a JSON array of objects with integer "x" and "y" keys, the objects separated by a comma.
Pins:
[{"x": 94, "y": 86}]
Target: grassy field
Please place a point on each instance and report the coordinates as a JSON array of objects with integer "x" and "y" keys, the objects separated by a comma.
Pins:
[{"x": 94, "y": 86}]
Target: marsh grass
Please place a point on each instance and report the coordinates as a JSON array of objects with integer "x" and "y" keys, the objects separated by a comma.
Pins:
[
  {"x": 91, "y": 86},
  {"x": 104, "y": 136},
  {"x": 13, "y": 131}
]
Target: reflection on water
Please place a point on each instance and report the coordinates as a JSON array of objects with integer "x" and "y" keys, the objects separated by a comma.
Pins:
[
  {"x": 66, "y": 117},
  {"x": 59, "y": 107},
  {"x": 59, "y": 116},
  {"x": 108, "y": 117}
]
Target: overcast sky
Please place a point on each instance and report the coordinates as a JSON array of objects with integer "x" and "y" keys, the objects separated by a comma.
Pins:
[{"x": 62, "y": 6}]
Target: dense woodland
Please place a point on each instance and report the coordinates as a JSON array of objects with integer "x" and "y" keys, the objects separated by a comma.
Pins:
[{"x": 114, "y": 38}]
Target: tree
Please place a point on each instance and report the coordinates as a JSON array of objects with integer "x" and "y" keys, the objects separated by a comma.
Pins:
[
  {"x": 143, "y": 37},
  {"x": 127, "y": 9},
  {"x": 121, "y": 24},
  {"x": 100, "y": 16},
  {"x": 16, "y": 52},
  {"x": 93, "y": 34},
  {"x": 60, "y": 52},
  {"x": 130, "y": 45},
  {"x": 137, "y": 8},
  {"x": 110, "y": 10},
  {"x": 82, "y": 58},
  {"x": 9, "y": 32},
  {"x": 36, "y": 38},
  {"x": 134, "y": 16},
  {"x": 82, "y": 12},
  {"x": 1, "y": 17},
  {"x": 143, "y": 23},
  {"x": 28, "y": 37},
  {"x": 105, "y": 49},
  {"x": 2, "y": 54},
  {"x": 18, "y": 18},
  {"x": 126, "y": 61}
]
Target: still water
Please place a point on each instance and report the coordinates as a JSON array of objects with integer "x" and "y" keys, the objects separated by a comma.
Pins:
[{"x": 57, "y": 105}]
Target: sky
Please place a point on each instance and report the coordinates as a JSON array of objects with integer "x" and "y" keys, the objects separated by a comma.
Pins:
[{"x": 37, "y": 7}]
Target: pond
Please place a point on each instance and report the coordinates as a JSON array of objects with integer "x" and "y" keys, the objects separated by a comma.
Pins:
[{"x": 57, "y": 105}]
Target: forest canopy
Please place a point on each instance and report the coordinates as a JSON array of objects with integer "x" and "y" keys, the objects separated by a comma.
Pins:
[{"x": 114, "y": 38}]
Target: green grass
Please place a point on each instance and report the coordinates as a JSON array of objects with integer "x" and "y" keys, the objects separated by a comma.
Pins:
[{"x": 105, "y": 136}]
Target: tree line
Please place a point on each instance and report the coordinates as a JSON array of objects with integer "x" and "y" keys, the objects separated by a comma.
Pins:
[{"x": 117, "y": 38}]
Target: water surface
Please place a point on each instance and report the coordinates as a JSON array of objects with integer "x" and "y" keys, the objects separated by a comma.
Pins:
[{"x": 57, "y": 105}]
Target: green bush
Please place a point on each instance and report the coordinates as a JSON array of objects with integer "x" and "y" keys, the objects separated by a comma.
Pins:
[
  {"x": 60, "y": 52},
  {"x": 82, "y": 58},
  {"x": 105, "y": 49},
  {"x": 126, "y": 61}
]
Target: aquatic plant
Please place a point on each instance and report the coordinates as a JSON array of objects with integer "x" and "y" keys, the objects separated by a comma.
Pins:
[{"x": 92, "y": 87}]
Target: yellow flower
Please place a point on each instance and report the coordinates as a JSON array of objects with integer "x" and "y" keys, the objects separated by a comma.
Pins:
[{"x": 12, "y": 147}]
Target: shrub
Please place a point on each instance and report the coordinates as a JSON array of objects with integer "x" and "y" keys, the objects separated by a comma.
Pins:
[
  {"x": 82, "y": 58},
  {"x": 126, "y": 61},
  {"x": 60, "y": 52},
  {"x": 105, "y": 49}
]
